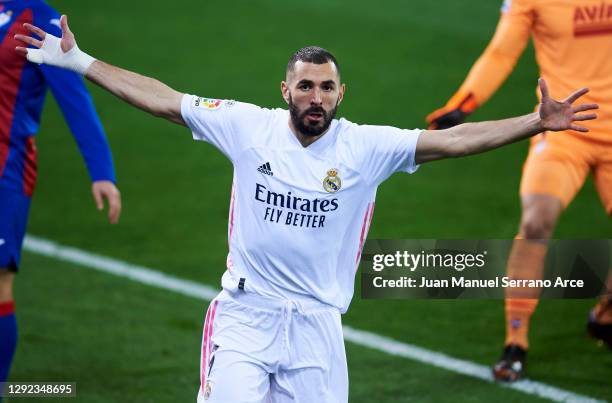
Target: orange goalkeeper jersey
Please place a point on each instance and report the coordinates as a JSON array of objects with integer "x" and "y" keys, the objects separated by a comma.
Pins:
[{"x": 573, "y": 45}]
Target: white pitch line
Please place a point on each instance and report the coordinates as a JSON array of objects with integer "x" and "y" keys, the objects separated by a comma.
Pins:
[{"x": 363, "y": 338}]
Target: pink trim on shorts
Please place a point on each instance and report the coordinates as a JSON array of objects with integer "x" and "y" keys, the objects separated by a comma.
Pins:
[
  {"x": 203, "y": 352},
  {"x": 207, "y": 341}
]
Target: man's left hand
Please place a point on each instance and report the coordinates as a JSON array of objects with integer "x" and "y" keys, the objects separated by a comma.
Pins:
[{"x": 561, "y": 115}]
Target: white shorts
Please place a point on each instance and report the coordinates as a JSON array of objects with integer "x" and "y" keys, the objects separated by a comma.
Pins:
[{"x": 256, "y": 349}]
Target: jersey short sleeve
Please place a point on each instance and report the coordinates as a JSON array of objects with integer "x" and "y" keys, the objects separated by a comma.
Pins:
[
  {"x": 223, "y": 123},
  {"x": 386, "y": 150}
]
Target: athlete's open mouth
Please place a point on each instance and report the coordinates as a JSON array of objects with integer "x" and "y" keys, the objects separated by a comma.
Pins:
[{"x": 314, "y": 116}]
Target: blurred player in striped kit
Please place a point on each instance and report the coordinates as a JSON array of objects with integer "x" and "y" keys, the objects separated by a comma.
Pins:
[
  {"x": 573, "y": 44},
  {"x": 23, "y": 87}
]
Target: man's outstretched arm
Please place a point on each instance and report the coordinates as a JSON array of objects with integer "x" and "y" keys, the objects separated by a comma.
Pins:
[
  {"x": 474, "y": 138},
  {"x": 145, "y": 93}
]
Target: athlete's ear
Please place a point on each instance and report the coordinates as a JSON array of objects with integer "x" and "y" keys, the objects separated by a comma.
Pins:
[
  {"x": 341, "y": 93},
  {"x": 285, "y": 91}
]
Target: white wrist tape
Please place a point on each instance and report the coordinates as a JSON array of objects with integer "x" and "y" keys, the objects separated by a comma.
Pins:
[{"x": 51, "y": 53}]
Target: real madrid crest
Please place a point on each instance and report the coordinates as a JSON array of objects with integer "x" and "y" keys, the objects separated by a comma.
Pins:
[{"x": 332, "y": 182}]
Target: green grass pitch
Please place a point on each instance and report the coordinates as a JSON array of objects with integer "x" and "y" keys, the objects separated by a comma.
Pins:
[{"x": 122, "y": 341}]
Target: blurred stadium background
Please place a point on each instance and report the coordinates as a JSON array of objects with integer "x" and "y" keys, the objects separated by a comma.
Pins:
[{"x": 124, "y": 341}]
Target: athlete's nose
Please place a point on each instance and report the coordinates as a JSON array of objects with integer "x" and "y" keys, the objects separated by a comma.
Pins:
[{"x": 317, "y": 99}]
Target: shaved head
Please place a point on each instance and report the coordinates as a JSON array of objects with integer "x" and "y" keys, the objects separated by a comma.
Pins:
[{"x": 311, "y": 54}]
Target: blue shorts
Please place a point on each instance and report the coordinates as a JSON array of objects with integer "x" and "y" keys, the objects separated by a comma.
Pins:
[{"x": 14, "y": 209}]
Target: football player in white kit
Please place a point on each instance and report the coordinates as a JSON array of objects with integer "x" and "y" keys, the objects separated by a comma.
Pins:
[{"x": 301, "y": 205}]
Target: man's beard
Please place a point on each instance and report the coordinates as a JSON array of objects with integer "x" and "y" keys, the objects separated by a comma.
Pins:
[{"x": 315, "y": 128}]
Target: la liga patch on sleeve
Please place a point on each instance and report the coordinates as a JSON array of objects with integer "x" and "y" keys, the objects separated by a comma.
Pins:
[{"x": 207, "y": 103}]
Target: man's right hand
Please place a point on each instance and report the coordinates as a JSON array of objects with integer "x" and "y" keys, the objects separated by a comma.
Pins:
[
  {"x": 453, "y": 113},
  {"x": 60, "y": 52}
]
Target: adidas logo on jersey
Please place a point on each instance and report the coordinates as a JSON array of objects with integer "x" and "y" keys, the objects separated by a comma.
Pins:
[{"x": 265, "y": 169}]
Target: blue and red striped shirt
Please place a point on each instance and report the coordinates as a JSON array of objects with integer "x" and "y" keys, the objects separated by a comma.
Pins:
[{"x": 23, "y": 87}]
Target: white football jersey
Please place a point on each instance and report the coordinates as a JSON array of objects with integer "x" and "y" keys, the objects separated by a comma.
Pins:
[{"x": 298, "y": 215}]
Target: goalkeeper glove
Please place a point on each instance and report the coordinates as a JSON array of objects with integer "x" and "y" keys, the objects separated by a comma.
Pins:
[{"x": 453, "y": 113}]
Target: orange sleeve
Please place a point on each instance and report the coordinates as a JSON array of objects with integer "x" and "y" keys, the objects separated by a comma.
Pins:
[{"x": 499, "y": 58}]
